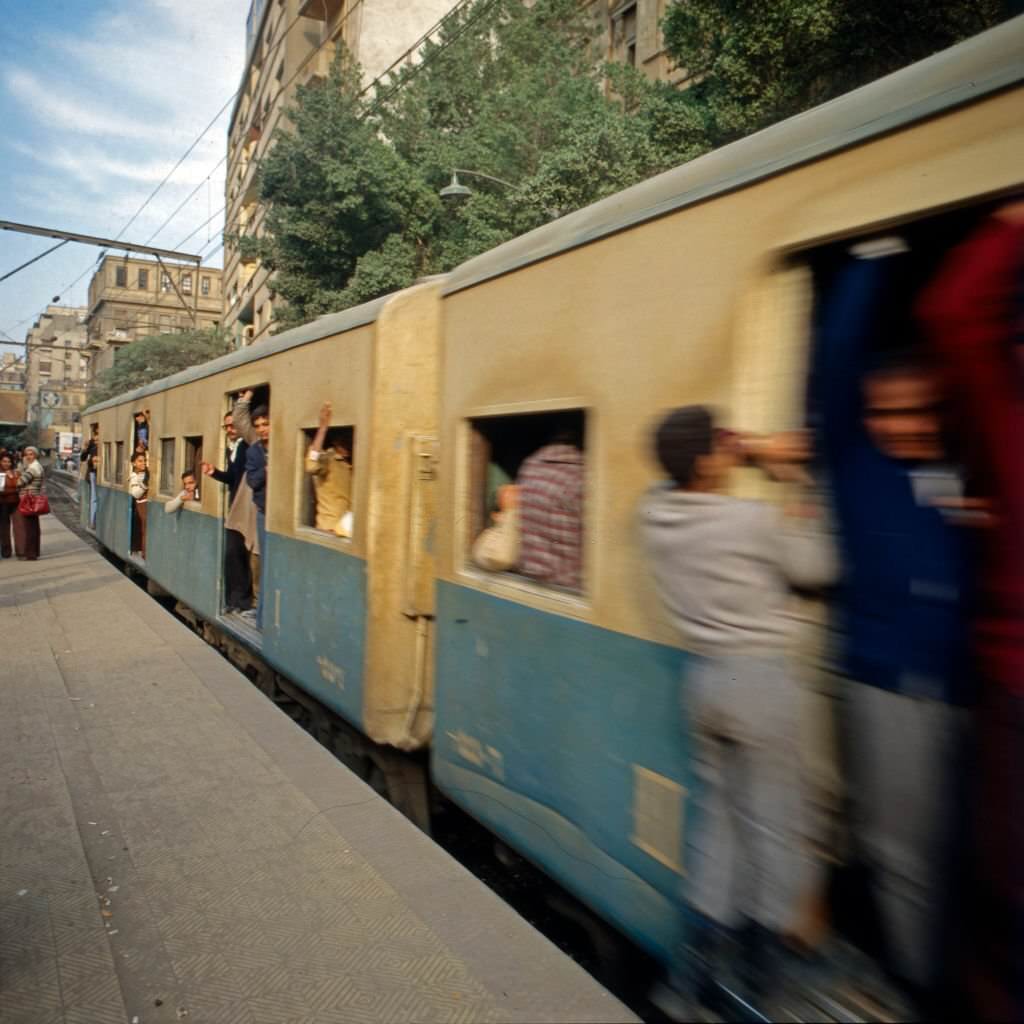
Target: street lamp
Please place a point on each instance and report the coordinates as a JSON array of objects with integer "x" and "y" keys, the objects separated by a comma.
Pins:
[{"x": 456, "y": 190}]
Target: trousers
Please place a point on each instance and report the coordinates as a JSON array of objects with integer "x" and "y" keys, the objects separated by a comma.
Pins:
[
  {"x": 261, "y": 531},
  {"x": 904, "y": 769},
  {"x": 749, "y": 851},
  {"x": 26, "y": 536},
  {"x": 7, "y": 514},
  {"x": 237, "y": 576}
]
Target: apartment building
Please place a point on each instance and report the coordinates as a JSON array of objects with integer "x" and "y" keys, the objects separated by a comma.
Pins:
[
  {"x": 130, "y": 298},
  {"x": 57, "y": 368},
  {"x": 629, "y": 32},
  {"x": 288, "y": 43}
]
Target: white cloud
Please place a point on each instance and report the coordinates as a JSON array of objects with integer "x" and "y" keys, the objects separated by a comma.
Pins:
[{"x": 105, "y": 109}]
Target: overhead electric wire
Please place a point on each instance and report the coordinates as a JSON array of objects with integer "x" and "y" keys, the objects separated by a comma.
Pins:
[{"x": 35, "y": 259}]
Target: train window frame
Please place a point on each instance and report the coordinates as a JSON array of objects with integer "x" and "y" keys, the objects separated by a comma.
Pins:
[
  {"x": 193, "y": 459},
  {"x": 119, "y": 463},
  {"x": 304, "y": 500},
  {"x": 108, "y": 460},
  {"x": 166, "y": 481},
  {"x": 512, "y": 584}
]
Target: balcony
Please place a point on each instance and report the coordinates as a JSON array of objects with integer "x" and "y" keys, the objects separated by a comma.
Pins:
[{"x": 321, "y": 10}]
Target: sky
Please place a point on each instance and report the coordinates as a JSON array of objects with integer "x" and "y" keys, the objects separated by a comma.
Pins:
[{"x": 98, "y": 101}]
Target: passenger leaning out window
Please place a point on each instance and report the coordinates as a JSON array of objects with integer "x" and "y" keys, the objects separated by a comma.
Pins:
[
  {"x": 550, "y": 501},
  {"x": 329, "y": 464}
]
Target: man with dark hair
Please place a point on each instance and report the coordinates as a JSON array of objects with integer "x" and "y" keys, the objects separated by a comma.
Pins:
[
  {"x": 724, "y": 568},
  {"x": 255, "y": 428},
  {"x": 901, "y": 603},
  {"x": 329, "y": 465},
  {"x": 189, "y": 492},
  {"x": 237, "y": 576}
]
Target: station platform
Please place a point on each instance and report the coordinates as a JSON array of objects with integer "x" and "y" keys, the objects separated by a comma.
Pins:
[{"x": 174, "y": 848}]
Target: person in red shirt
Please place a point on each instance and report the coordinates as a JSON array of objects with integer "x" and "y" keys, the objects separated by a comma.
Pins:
[{"x": 970, "y": 313}]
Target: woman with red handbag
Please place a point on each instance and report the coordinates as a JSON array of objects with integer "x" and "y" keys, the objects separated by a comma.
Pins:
[
  {"x": 32, "y": 504},
  {"x": 8, "y": 503}
]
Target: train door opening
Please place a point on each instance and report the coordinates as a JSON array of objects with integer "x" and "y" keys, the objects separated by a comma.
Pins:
[
  {"x": 138, "y": 481},
  {"x": 904, "y": 446},
  {"x": 243, "y": 557}
]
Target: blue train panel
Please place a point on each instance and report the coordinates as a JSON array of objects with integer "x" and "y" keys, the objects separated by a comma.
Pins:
[
  {"x": 183, "y": 553},
  {"x": 114, "y": 519},
  {"x": 314, "y": 622},
  {"x": 568, "y": 741}
]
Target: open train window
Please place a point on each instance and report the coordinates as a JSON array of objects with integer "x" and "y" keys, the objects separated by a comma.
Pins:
[
  {"x": 194, "y": 460},
  {"x": 140, "y": 430},
  {"x": 119, "y": 463},
  {"x": 326, "y": 491},
  {"x": 168, "y": 480},
  {"x": 108, "y": 461},
  {"x": 526, "y": 485}
]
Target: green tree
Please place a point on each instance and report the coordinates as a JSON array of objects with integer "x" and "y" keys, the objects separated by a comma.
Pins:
[
  {"x": 156, "y": 357},
  {"x": 506, "y": 89},
  {"x": 347, "y": 217},
  {"x": 755, "y": 62}
]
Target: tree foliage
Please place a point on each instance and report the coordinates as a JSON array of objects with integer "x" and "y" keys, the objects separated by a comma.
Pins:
[
  {"x": 155, "y": 357},
  {"x": 508, "y": 90},
  {"x": 513, "y": 90},
  {"x": 755, "y": 62}
]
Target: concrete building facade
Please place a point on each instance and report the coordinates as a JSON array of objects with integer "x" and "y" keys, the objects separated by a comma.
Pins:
[
  {"x": 289, "y": 43},
  {"x": 12, "y": 392},
  {"x": 629, "y": 32},
  {"x": 131, "y": 298},
  {"x": 57, "y": 370}
]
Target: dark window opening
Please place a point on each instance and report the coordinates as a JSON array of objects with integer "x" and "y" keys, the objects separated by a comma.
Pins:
[
  {"x": 168, "y": 480},
  {"x": 121, "y": 277},
  {"x": 107, "y": 460},
  {"x": 194, "y": 461},
  {"x": 143, "y": 279},
  {"x": 326, "y": 498},
  {"x": 531, "y": 508},
  {"x": 119, "y": 463}
]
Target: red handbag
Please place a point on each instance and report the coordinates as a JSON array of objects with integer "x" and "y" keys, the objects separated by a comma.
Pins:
[{"x": 34, "y": 505}]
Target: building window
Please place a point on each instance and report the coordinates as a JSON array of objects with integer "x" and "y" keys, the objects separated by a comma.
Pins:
[
  {"x": 121, "y": 276},
  {"x": 186, "y": 284},
  {"x": 119, "y": 463},
  {"x": 165, "y": 281},
  {"x": 204, "y": 285},
  {"x": 143, "y": 279},
  {"x": 45, "y": 368},
  {"x": 167, "y": 478}
]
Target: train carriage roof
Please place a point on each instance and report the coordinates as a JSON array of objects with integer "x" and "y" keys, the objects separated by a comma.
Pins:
[
  {"x": 983, "y": 64},
  {"x": 316, "y": 330}
]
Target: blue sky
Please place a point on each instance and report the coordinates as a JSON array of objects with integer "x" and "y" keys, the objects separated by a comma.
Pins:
[{"x": 98, "y": 100}]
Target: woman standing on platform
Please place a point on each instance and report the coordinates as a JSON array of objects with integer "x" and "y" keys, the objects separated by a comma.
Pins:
[
  {"x": 8, "y": 502},
  {"x": 26, "y": 528}
]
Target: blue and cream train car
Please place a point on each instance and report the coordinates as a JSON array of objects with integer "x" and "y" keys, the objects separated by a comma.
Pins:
[
  {"x": 553, "y": 717},
  {"x": 346, "y": 620}
]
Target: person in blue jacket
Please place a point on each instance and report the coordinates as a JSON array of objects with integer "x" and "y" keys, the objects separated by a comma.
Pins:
[
  {"x": 901, "y": 602},
  {"x": 254, "y": 427}
]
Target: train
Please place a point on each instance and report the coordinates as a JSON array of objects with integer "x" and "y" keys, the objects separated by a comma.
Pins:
[{"x": 552, "y": 717}]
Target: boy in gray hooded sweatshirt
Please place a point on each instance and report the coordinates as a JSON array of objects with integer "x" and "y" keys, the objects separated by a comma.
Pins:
[{"x": 725, "y": 569}]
